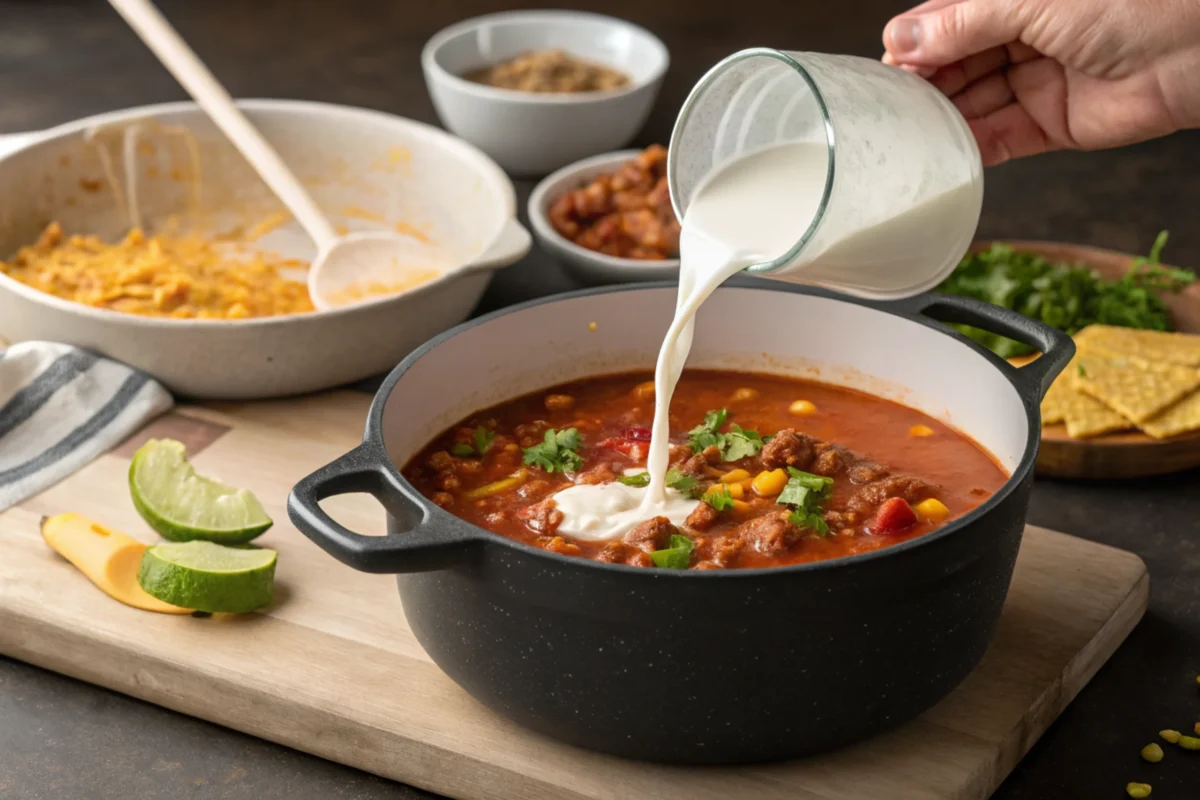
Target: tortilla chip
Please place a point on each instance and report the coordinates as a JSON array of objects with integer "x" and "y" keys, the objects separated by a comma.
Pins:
[
  {"x": 1086, "y": 416},
  {"x": 1182, "y": 417},
  {"x": 1169, "y": 348},
  {"x": 1131, "y": 386},
  {"x": 1052, "y": 403}
]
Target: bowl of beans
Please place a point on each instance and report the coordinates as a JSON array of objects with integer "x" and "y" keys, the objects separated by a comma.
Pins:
[
  {"x": 539, "y": 89},
  {"x": 608, "y": 219}
]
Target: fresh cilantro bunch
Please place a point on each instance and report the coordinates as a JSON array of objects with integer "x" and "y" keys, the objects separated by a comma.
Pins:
[{"x": 1067, "y": 297}]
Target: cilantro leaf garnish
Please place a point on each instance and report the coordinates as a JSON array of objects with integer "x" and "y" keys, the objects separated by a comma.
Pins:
[
  {"x": 805, "y": 493},
  {"x": 483, "y": 439},
  {"x": 483, "y": 442},
  {"x": 684, "y": 484},
  {"x": 705, "y": 434},
  {"x": 557, "y": 452},
  {"x": 721, "y": 500},
  {"x": 677, "y": 556},
  {"x": 739, "y": 443}
]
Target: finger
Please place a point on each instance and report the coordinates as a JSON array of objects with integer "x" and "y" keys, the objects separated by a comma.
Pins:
[
  {"x": 955, "y": 77},
  {"x": 984, "y": 97},
  {"x": 953, "y": 32},
  {"x": 1009, "y": 133}
]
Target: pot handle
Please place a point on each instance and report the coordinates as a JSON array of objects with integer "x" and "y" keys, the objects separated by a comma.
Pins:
[
  {"x": 1056, "y": 347},
  {"x": 421, "y": 547}
]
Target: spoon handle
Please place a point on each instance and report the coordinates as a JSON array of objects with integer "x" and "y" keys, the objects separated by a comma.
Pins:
[{"x": 191, "y": 73}]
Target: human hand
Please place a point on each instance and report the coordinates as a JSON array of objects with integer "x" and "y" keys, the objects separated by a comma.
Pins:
[{"x": 1032, "y": 76}]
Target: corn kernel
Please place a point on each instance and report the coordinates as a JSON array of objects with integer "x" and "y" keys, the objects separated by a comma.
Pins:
[
  {"x": 735, "y": 490},
  {"x": 932, "y": 510},
  {"x": 741, "y": 506},
  {"x": 735, "y": 476},
  {"x": 802, "y": 408},
  {"x": 769, "y": 484},
  {"x": 644, "y": 391},
  {"x": 745, "y": 394},
  {"x": 920, "y": 430},
  {"x": 592, "y": 326}
]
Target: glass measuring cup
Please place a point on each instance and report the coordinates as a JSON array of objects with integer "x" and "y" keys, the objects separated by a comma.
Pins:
[{"x": 903, "y": 181}]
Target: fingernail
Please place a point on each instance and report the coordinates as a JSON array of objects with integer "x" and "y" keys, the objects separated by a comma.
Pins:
[{"x": 905, "y": 34}]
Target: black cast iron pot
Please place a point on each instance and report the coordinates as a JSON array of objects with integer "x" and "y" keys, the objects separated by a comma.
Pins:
[{"x": 705, "y": 666}]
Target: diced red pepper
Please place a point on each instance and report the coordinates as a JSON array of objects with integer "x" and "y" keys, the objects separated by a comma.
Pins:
[
  {"x": 636, "y": 450},
  {"x": 637, "y": 434},
  {"x": 893, "y": 517}
]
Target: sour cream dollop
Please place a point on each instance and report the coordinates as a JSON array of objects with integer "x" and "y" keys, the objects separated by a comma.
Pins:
[{"x": 602, "y": 512}]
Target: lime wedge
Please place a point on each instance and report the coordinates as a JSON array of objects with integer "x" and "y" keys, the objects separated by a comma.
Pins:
[
  {"x": 182, "y": 505},
  {"x": 209, "y": 577}
]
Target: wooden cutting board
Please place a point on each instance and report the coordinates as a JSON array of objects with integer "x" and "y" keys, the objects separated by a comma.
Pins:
[{"x": 333, "y": 670}]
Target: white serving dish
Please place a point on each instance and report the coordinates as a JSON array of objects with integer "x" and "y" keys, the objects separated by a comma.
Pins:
[
  {"x": 588, "y": 265},
  {"x": 531, "y": 134},
  {"x": 357, "y": 163}
]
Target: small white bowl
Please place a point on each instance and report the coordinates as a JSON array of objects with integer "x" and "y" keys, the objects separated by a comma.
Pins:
[
  {"x": 531, "y": 133},
  {"x": 588, "y": 265}
]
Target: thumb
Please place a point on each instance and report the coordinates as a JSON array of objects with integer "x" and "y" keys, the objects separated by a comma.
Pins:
[{"x": 936, "y": 34}]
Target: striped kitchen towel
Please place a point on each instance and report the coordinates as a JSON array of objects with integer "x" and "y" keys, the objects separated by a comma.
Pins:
[{"x": 61, "y": 407}]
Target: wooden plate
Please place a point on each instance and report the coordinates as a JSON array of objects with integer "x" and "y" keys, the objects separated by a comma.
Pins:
[{"x": 1117, "y": 455}]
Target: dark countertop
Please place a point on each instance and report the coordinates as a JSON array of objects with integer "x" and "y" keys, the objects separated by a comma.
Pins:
[{"x": 62, "y": 59}]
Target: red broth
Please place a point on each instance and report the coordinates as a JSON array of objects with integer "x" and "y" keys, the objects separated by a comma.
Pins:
[{"x": 897, "y": 473}]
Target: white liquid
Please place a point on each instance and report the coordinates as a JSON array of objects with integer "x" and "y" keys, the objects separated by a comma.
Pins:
[
  {"x": 751, "y": 210},
  {"x": 604, "y": 511}
]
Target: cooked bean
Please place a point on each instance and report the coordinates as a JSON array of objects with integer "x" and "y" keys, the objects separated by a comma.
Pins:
[{"x": 559, "y": 402}]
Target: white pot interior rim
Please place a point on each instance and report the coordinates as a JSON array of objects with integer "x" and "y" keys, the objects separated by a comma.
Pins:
[
  {"x": 464, "y": 370},
  {"x": 479, "y": 162}
]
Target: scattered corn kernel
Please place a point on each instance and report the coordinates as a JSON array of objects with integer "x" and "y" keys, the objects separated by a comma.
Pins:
[
  {"x": 1189, "y": 743},
  {"x": 745, "y": 394},
  {"x": 644, "y": 391},
  {"x": 735, "y": 476},
  {"x": 1152, "y": 753},
  {"x": 1196, "y": 728},
  {"x": 920, "y": 430},
  {"x": 802, "y": 408},
  {"x": 1170, "y": 736},
  {"x": 591, "y": 326},
  {"x": 1138, "y": 791},
  {"x": 736, "y": 491},
  {"x": 932, "y": 510},
  {"x": 769, "y": 484}
]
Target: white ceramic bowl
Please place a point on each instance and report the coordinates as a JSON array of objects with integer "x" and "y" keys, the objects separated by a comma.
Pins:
[
  {"x": 358, "y": 164},
  {"x": 528, "y": 133},
  {"x": 588, "y": 265}
]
